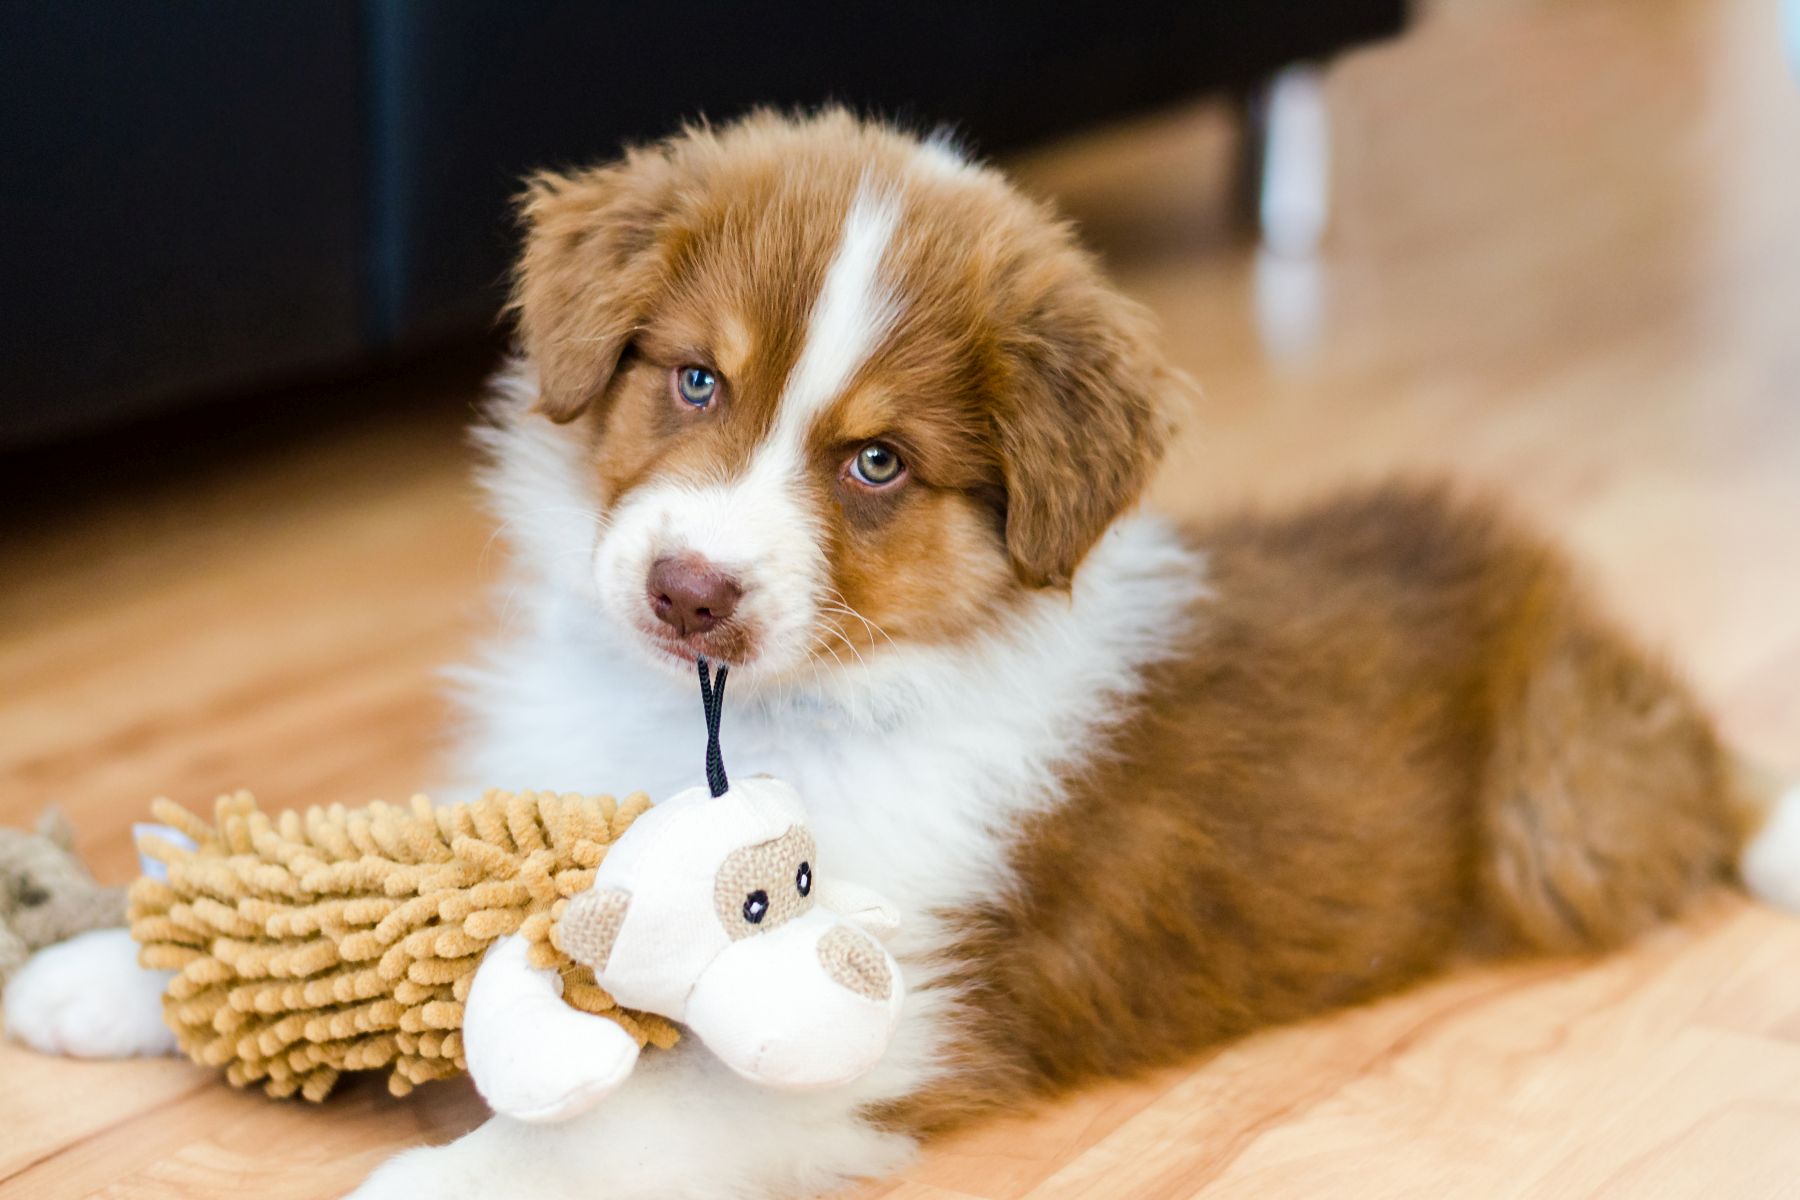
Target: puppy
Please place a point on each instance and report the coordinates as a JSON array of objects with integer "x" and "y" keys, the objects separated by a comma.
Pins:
[{"x": 841, "y": 409}]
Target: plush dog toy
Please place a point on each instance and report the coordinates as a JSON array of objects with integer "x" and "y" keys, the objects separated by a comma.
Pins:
[
  {"x": 537, "y": 941},
  {"x": 46, "y": 894},
  {"x": 709, "y": 912}
]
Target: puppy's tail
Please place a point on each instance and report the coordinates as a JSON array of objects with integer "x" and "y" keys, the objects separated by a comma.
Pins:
[{"x": 1769, "y": 863}]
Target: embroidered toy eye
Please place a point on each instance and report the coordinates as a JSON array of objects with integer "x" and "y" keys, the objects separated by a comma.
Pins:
[
  {"x": 696, "y": 386},
  {"x": 756, "y": 906},
  {"x": 803, "y": 880},
  {"x": 876, "y": 465}
]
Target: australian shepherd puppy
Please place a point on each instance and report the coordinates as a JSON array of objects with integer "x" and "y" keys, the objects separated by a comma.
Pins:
[{"x": 844, "y": 410}]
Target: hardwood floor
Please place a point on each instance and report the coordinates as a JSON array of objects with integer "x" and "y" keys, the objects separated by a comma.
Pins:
[{"x": 1565, "y": 264}]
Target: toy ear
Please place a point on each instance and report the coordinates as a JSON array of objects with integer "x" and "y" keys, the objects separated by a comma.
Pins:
[
  {"x": 590, "y": 925},
  {"x": 54, "y": 825},
  {"x": 860, "y": 906}
]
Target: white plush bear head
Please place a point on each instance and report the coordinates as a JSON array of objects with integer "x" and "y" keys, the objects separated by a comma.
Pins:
[{"x": 709, "y": 911}]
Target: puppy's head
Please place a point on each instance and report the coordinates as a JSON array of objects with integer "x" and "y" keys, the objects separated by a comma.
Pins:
[{"x": 838, "y": 389}]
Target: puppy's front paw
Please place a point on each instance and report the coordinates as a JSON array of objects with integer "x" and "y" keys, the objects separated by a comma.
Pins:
[
  {"x": 88, "y": 998},
  {"x": 1771, "y": 862},
  {"x": 453, "y": 1172}
]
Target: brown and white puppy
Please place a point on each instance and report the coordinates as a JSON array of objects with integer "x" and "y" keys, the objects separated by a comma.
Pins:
[{"x": 837, "y": 407}]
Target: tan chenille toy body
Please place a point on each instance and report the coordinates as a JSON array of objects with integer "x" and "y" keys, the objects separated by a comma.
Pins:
[{"x": 310, "y": 944}]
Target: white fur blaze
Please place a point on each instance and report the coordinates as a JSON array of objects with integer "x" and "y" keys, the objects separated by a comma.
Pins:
[
  {"x": 762, "y": 526},
  {"x": 1770, "y": 864},
  {"x": 852, "y": 314}
]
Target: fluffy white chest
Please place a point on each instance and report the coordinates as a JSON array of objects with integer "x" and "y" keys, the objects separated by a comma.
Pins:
[
  {"x": 920, "y": 809},
  {"x": 916, "y": 767}
]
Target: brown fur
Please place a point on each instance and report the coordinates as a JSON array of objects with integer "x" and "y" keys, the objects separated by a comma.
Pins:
[
  {"x": 1395, "y": 730},
  {"x": 1398, "y": 731}
]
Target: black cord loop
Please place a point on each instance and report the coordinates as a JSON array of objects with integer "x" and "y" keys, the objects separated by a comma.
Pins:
[{"x": 712, "y": 699}]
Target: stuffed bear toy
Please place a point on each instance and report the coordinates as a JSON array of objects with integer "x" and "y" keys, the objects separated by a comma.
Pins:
[{"x": 46, "y": 894}]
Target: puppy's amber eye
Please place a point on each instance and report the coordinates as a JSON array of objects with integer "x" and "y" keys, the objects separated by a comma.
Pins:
[
  {"x": 877, "y": 465},
  {"x": 696, "y": 386}
]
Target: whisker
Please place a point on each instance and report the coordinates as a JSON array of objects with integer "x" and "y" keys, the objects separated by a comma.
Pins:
[
  {"x": 843, "y": 606},
  {"x": 841, "y": 599},
  {"x": 848, "y": 644},
  {"x": 824, "y": 643},
  {"x": 600, "y": 521}
]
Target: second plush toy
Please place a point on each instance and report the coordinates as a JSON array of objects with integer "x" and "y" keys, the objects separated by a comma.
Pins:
[{"x": 46, "y": 893}]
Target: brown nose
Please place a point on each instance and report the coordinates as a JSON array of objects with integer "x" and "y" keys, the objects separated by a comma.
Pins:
[{"x": 691, "y": 595}]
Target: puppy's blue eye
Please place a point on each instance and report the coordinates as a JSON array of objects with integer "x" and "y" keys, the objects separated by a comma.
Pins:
[{"x": 696, "y": 386}]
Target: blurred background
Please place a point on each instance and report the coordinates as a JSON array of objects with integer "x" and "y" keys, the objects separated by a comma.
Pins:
[
  {"x": 1548, "y": 247},
  {"x": 217, "y": 195},
  {"x": 254, "y": 254}
]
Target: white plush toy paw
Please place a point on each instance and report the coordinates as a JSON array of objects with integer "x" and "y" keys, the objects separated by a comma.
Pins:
[
  {"x": 532, "y": 1057},
  {"x": 88, "y": 998}
]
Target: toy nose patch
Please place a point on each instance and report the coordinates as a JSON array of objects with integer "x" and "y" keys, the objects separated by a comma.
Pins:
[{"x": 856, "y": 963}]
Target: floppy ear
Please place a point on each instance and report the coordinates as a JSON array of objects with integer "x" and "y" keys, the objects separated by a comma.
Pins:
[
  {"x": 1082, "y": 422},
  {"x": 585, "y": 276},
  {"x": 859, "y": 905},
  {"x": 54, "y": 825},
  {"x": 590, "y": 925}
]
